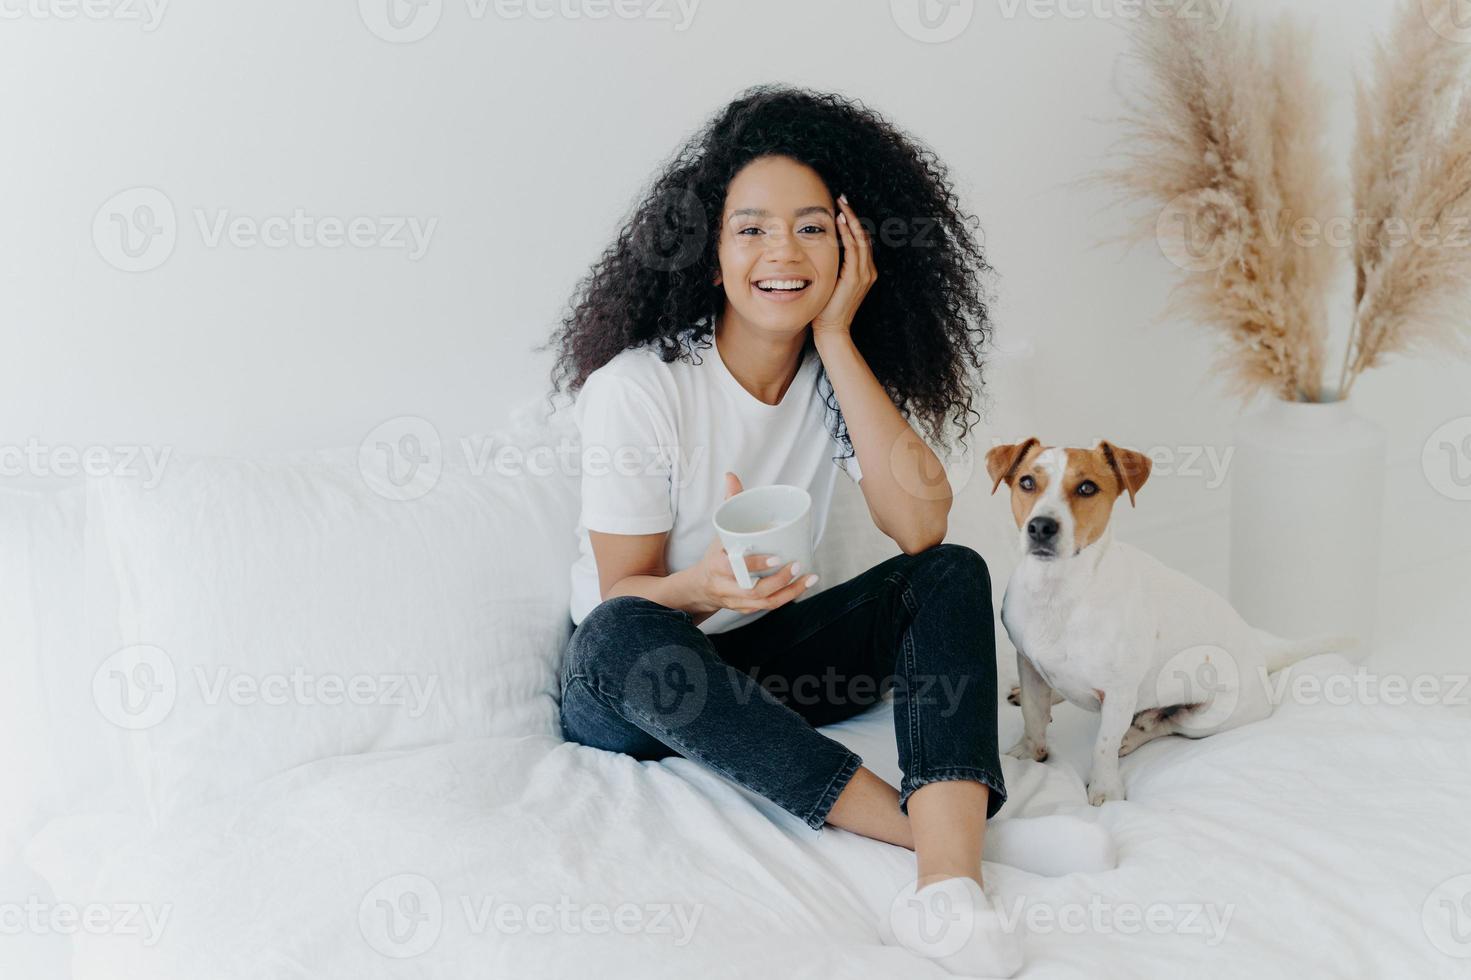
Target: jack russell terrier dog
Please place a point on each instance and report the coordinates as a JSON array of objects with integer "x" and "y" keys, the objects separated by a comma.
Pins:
[{"x": 1112, "y": 629}]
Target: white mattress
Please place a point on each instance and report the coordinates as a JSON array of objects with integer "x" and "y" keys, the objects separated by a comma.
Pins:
[{"x": 1315, "y": 838}]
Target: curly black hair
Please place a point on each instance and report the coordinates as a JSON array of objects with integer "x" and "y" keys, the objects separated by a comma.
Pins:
[{"x": 924, "y": 322}]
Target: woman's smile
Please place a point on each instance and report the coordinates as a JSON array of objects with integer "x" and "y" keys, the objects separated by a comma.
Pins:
[{"x": 787, "y": 290}]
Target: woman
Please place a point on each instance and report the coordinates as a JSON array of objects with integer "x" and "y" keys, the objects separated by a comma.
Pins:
[{"x": 744, "y": 326}]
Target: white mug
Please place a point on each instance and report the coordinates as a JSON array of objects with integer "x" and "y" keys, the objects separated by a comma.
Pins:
[{"x": 772, "y": 520}]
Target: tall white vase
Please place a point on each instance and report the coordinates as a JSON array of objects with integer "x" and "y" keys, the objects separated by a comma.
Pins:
[{"x": 1307, "y": 513}]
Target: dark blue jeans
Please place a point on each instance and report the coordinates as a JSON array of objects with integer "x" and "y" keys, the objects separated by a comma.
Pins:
[{"x": 642, "y": 679}]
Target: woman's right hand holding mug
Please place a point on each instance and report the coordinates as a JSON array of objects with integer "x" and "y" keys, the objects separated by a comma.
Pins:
[{"x": 714, "y": 582}]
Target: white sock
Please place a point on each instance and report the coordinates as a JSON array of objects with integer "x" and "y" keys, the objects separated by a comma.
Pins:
[
  {"x": 1054, "y": 845},
  {"x": 953, "y": 923}
]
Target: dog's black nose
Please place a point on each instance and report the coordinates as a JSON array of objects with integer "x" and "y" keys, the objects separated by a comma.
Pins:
[{"x": 1041, "y": 529}]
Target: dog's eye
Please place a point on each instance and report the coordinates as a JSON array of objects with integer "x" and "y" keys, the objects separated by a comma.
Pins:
[
  {"x": 1087, "y": 488},
  {"x": 1027, "y": 483}
]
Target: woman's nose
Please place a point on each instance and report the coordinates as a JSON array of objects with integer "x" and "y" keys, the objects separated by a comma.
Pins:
[{"x": 782, "y": 243}]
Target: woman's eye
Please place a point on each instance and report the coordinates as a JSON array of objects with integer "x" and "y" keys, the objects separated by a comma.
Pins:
[
  {"x": 815, "y": 228},
  {"x": 744, "y": 230},
  {"x": 1027, "y": 483},
  {"x": 1087, "y": 488}
]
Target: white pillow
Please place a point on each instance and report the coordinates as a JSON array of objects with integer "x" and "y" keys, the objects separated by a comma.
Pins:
[
  {"x": 274, "y": 613},
  {"x": 61, "y": 755}
]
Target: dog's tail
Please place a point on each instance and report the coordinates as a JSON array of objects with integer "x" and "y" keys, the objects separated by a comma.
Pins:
[{"x": 1284, "y": 653}]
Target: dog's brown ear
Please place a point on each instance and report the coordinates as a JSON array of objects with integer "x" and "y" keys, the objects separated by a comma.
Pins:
[
  {"x": 1131, "y": 468},
  {"x": 1002, "y": 461}
]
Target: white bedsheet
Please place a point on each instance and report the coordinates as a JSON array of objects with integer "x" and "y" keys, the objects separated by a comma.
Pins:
[{"x": 1306, "y": 845}]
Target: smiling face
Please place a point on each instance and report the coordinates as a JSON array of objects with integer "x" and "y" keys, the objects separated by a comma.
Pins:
[
  {"x": 1062, "y": 498},
  {"x": 778, "y": 245}
]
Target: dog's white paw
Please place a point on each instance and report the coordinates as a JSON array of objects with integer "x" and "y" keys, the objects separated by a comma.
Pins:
[
  {"x": 1027, "y": 749},
  {"x": 1102, "y": 791}
]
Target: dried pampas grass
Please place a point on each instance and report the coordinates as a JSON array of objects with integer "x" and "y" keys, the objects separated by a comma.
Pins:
[
  {"x": 1225, "y": 139},
  {"x": 1228, "y": 140},
  {"x": 1412, "y": 189}
]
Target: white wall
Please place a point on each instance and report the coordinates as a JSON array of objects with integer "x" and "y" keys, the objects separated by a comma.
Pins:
[{"x": 526, "y": 140}]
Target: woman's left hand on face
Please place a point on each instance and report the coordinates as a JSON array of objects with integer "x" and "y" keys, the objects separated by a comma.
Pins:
[{"x": 855, "y": 277}]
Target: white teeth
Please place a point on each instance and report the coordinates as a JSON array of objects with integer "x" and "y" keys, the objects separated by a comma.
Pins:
[{"x": 782, "y": 284}]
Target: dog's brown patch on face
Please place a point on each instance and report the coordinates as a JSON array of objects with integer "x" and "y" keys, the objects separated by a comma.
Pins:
[
  {"x": 1024, "y": 499},
  {"x": 1090, "y": 489},
  {"x": 1011, "y": 464}
]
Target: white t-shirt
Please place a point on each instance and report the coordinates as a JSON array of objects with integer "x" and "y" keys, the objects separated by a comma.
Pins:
[{"x": 657, "y": 440}]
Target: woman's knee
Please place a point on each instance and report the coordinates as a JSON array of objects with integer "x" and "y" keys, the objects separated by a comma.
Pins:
[
  {"x": 618, "y": 632},
  {"x": 953, "y": 582},
  {"x": 952, "y": 567}
]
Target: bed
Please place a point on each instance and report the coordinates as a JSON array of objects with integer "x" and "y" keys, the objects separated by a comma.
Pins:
[{"x": 244, "y": 838}]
